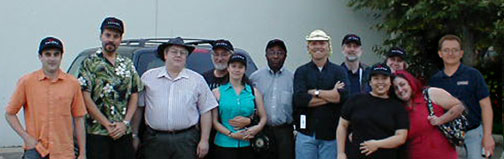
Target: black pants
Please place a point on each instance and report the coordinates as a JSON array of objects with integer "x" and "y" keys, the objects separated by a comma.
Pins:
[
  {"x": 181, "y": 145},
  {"x": 282, "y": 144},
  {"x": 104, "y": 147},
  {"x": 233, "y": 153}
]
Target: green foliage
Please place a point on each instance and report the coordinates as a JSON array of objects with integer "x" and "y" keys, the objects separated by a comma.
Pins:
[{"x": 417, "y": 25}]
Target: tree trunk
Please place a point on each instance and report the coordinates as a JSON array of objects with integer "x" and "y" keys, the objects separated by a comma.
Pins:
[{"x": 469, "y": 47}]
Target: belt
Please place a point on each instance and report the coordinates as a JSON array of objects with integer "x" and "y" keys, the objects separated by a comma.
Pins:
[
  {"x": 281, "y": 126},
  {"x": 473, "y": 127},
  {"x": 170, "y": 131}
]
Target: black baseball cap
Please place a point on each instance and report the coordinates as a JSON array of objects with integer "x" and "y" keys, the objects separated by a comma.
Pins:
[
  {"x": 238, "y": 58},
  {"x": 50, "y": 42},
  {"x": 276, "y": 42},
  {"x": 221, "y": 43},
  {"x": 351, "y": 38},
  {"x": 396, "y": 51},
  {"x": 380, "y": 68},
  {"x": 112, "y": 23}
]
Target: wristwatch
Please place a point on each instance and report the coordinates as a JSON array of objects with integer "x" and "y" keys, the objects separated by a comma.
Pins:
[
  {"x": 317, "y": 93},
  {"x": 127, "y": 123}
]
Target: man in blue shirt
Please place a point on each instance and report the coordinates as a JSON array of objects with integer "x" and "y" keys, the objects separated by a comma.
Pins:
[
  {"x": 318, "y": 97},
  {"x": 468, "y": 85},
  {"x": 275, "y": 83}
]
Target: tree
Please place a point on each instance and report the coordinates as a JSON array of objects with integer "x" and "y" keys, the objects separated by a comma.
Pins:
[{"x": 417, "y": 25}]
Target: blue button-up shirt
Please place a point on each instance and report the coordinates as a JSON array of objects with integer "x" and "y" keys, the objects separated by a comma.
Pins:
[
  {"x": 468, "y": 85},
  {"x": 277, "y": 91}
]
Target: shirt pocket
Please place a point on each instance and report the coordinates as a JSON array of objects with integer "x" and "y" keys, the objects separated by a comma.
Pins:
[
  {"x": 285, "y": 97},
  {"x": 63, "y": 104}
]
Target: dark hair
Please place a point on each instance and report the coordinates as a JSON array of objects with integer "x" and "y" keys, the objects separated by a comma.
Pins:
[
  {"x": 245, "y": 79},
  {"x": 449, "y": 37}
]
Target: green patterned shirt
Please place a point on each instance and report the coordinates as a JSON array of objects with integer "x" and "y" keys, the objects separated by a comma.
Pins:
[{"x": 110, "y": 86}]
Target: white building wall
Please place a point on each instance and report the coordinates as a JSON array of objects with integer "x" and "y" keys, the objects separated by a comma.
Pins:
[{"x": 247, "y": 24}]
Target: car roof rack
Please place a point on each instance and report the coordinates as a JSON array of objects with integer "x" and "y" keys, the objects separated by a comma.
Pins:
[{"x": 158, "y": 41}]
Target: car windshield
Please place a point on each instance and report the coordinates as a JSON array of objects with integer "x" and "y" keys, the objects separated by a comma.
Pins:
[
  {"x": 146, "y": 58},
  {"x": 199, "y": 61}
]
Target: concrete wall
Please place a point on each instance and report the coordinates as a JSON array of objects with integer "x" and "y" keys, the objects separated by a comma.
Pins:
[{"x": 248, "y": 24}]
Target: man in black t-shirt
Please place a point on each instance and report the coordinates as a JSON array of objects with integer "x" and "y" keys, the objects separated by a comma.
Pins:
[{"x": 222, "y": 51}]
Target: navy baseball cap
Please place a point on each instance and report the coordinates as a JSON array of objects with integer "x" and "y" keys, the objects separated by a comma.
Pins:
[
  {"x": 396, "y": 51},
  {"x": 380, "y": 68},
  {"x": 276, "y": 42},
  {"x": 238, "y": 58},
  {"x": 221, "y": 43},
  {"x": 349, "y": 38},
  {"x": 112, "y": 23},
  {"x": 50, "y": 42}
]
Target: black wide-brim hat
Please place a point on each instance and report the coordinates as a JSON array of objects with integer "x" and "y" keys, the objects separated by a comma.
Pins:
[{"x": 175, "y": 41}]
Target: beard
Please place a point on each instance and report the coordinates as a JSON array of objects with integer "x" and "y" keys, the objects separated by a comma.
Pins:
[
  {"x": 109, "y": 47},
  {"x": 219, "y": 66}
]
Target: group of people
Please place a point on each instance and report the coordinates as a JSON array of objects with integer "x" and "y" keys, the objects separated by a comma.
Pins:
[{"x": 322, "y": 110}]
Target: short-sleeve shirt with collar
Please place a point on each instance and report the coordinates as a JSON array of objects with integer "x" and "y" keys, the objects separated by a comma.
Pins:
[
  {"x": 110, "y": 86},
  {"x": 174, "y": 103},
  {"x": 468, "y": 85},
  {"x": 49, "y": 107}
]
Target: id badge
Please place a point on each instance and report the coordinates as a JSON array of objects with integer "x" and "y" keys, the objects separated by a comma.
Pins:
[{"x": 302, "y": 122}]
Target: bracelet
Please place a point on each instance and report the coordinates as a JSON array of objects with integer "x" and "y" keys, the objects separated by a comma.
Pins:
[{"x": 229, "y": 134}]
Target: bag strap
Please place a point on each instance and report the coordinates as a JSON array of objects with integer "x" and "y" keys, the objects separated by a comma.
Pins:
[
  {"x": 429, "y": 102},
  {"x": 255, "y": 104}
]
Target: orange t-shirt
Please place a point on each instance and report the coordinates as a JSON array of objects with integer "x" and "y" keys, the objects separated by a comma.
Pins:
[{"x": 49, "y": 108}]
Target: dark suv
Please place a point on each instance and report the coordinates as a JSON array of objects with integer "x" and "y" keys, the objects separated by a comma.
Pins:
[{"x": 143, "y": 52}]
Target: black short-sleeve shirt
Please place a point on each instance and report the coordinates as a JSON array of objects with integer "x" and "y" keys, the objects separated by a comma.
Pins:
[
  {"x": 212, "y": 81},
  {"x": 373, "y": 118}
]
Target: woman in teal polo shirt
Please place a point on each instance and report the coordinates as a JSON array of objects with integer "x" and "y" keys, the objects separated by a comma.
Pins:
[{"x": 236, "y": 103}]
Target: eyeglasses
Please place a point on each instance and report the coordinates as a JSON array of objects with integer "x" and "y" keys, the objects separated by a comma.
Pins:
[
  {"x": 272, "y": 53},
  {"x": 178, "y": 52},
  {"x": 221, "y": 55},
  {"x": 450, "y": 51}
]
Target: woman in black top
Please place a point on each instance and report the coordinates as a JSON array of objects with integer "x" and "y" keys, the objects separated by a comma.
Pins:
[{"x": 379, "y": 124}]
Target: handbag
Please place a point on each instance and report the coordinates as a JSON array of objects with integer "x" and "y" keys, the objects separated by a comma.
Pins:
[
  {"x": 261, "y": 141},
  {"x": 453, "y": 130}
]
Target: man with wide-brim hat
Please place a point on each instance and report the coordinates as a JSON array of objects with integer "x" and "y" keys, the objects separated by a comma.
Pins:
[{"x": 177, "y": 104}]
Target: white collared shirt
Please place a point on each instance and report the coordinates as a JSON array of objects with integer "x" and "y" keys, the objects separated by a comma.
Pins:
[{"x": 174, "y": 103}]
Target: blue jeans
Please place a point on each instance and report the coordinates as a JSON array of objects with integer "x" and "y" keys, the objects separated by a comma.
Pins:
[
  {"x": 472, "y": 141},
  {"x": 308, "y": 147},
  {"x": 33, "y": 154}
]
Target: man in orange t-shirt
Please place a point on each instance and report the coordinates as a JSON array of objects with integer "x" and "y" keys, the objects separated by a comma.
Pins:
[{"x": 52, "y": 102}]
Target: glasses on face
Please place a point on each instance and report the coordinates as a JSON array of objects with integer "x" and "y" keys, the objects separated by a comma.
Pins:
[
  {"x": 450, "y": 51},
  {"x": 272, "y": 53},
  {"x": 221, "y": 55},
  {"x": 178, "y": 52}
]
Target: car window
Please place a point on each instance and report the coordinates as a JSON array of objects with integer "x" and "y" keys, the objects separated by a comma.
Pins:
[{"x": 74, "y": 68}]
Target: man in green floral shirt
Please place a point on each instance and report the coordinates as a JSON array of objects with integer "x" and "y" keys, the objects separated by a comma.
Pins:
[{"x": 110, "y": 87}]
